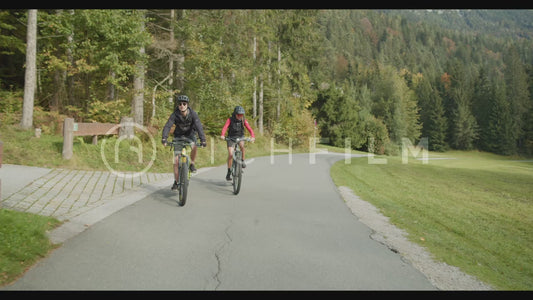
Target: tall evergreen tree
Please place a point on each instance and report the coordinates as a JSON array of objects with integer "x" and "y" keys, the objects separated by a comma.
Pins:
[
  {"x": 463, "y": 129},
  {"x": 528, "y": 144},
  {"x": 528, "y": 134},
  {"x": 338, "y": 116},
  {"x": 499, "y": 136},
  {"x": 13, "y": 33},
  {"x": 437, "y": 126},
  {"x": 517, "y": 94},
  {"x": 434, "y": 123},
  {"x": 481, "y": 104}
]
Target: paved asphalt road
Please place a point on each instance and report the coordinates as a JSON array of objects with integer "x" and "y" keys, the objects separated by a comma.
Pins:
[{"x": 288, "y": 229}]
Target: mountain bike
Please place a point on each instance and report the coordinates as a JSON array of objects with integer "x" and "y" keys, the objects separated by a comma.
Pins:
[
  {"x": 236, "y": 166},
  {"x": 182, "y": 148}
]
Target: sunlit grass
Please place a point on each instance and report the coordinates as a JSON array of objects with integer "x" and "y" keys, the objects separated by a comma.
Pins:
[
  {"x": 473, "y": 210},
  {"x": 23, "y": 241},
  {"x": 142, "y": 154}
]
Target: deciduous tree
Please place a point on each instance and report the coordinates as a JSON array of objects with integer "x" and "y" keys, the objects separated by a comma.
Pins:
[{"x": 31, "y": 73}]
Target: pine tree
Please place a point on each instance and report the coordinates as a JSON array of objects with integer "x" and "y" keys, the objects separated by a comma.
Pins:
[
  {"x": 499, "y": 137},
  {"x": 483, "y": 96},
  {"x": 339, "y": 117},
  {"x": 528, "y": 144},
  {"x": 463, "y": 128},
  {"x": 437, "y": 124},
  {"x": 517, "y": 95},
  {"x": 434, "y": 123}
]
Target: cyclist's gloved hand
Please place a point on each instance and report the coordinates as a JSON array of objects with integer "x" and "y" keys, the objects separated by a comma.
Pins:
[{"x": 204, "y": 144}]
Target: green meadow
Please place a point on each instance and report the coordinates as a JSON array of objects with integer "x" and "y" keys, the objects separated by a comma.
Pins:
[{"x": 472, "y": 210}]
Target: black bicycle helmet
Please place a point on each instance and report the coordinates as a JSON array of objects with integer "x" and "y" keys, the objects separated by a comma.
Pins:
[
  {"x": 239, "y": 110},
  {"x": 182, "y": 98}
]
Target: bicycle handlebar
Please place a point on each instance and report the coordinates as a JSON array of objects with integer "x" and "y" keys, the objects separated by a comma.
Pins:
[
  {"x": 182, "y": 140},
  {"x": 247, "y": 139}
]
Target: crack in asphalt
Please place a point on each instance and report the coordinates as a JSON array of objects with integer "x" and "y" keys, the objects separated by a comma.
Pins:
[
  {"x": 375, "y": 236},
  {"x": 218, "y": 252}
]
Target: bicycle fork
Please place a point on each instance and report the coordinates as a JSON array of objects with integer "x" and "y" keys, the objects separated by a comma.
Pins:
[{"x": 183, "y": 163}]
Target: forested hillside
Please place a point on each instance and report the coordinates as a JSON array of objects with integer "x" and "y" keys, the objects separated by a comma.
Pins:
[{"x": 463, "y": 79}]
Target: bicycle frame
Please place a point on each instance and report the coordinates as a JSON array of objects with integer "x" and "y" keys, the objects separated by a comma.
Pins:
[
  {"x": 236, "y": 166},
  {"x": 184, "y": 174},
  {"x": 183, "y": 155}
]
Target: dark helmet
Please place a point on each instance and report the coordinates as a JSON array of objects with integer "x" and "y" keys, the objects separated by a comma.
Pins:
[
  {"x": 239, "y": 110},
  {"x": 182, "y": 98}
]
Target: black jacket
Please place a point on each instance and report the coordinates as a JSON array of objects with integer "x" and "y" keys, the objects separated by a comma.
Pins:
[
  {"x": 236, "y": 127},
  {"x": 185, "y": 126}
]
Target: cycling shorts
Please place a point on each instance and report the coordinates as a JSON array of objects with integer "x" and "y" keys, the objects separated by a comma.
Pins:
[{"x": 231, "y": 141}]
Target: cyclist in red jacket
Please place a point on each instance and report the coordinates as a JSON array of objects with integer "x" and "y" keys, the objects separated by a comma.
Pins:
[{"x": 236, "y": 124}]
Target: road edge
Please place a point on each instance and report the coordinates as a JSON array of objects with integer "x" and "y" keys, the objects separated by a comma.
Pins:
[{"x": 440, "y": 274}]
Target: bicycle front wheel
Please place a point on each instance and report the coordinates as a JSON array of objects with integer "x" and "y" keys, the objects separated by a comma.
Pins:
[
  {"x": 184, "y": 183},
  {"x": 237, "y": 174}
]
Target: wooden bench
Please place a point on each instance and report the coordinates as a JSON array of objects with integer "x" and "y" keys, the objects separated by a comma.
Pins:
[
  {"x": 72, "y": 129},
  {"x": 94, "y": 130}
]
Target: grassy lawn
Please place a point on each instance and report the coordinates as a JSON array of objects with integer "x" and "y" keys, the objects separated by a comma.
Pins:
[
  {"x": 22, "y": 148},
  {"x": 24, "y": 241},
  {"x": 473, "y": 210}
]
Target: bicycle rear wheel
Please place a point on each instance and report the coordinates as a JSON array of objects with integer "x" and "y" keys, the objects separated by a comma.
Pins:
[
  {"x": 183, "y": 182},
  {"x": 237, "y": 173}
]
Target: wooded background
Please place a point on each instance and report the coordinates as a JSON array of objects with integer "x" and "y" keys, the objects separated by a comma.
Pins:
[{"x": 461, "y": 78}]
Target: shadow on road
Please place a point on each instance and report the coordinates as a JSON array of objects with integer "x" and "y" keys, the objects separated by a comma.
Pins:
[
  {"x": 166, "y": 196},
  {"x": 215, "y": 185}
]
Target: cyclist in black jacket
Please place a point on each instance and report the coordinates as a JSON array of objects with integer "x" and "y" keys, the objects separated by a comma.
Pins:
[{"x": 187, "y": 125}]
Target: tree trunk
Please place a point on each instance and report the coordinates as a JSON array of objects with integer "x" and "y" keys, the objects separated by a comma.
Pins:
[
  {"x": 278, "y": 107},
  {"x": 58, "y": 80},
  {"x": 180, "y": 69},
  {"x": 171, "y": 57},
  {"x": 70, "y": 57},
  {"x": 180, "y": 61},
  {"x": 138, "y": 93},
  {"x": 111, "y": 87},
  {"x": 138, "y": 88},
  {"x": 30, "y": 76},
  {"x": 261, "y": 104},
  {"x": 254, "y": 96}
]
